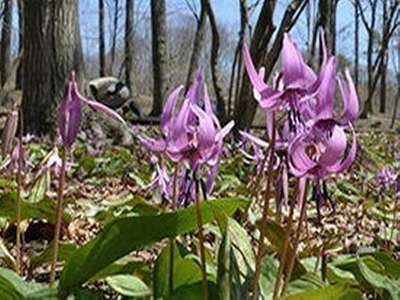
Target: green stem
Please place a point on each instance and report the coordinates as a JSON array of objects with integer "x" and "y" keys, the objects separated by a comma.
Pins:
[
  {"x": 201, "y": 241},
  {"x": 284, "y": 250},
  {"x": 303, "y": 201},
  {"x": 18, "y": 260},
  {"x": 59, "y": 212},
  {"x": 394, "y": 223},
  {"x": 261, "y": 244},
  {"x": 172, "y": 240}
]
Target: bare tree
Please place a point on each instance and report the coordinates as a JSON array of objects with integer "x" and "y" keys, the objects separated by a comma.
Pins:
[
  {"x": 129, "y": 46},
  {"x": 18, "y": 76},
  {"x": 102, "y": 47},
  {"x": 327, "y": 20},
  {"x": 383, "y": 65},
  {"x": 374, "y": 61},
  {"x": 114, "y": 35},
  {"x": 397, "y": 69},
  {"x": 245, "y": 106},
  {"x": 53, "y": 49},
  {"x": 221, "y": 112},
  {"x": 356, "y": 44},
  {"x": 160, "y": 54},
  {"x": 198, "y": 43},
  {"x": 237, "y": 66},
  {"x": 5, "y": 44}
]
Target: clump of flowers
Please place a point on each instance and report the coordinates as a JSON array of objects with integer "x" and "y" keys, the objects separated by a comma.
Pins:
[
  {"x": 312, "y": 141},
  {"x": 192, "y": 137},
  {"x": 193, "y": 140},
  {"x": 388, "y": 179},
  {"x": 69, "y": 121}
]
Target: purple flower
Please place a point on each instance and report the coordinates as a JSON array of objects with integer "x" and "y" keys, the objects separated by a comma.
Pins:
[
  {"x": 294, "y": 83},
  {"x": 191, "y": 134},
  {"x": 321, "y": 151},
  {"x": 9, "y": 132},
  {"x": 69, "y": 117},
  {"x": 52, "y": 161},
  {"x": 12, "y": 162},
  {"x": 387, "y": 178},
  {"x": 163, "y": 181}
]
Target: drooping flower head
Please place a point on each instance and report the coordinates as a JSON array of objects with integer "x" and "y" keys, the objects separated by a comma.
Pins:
[
  {"x": 192, "y": 134},
  {"x": 314, "y": 137},
  {"x": 9, "y": 132},
  {"x": 69, "y": 115}
]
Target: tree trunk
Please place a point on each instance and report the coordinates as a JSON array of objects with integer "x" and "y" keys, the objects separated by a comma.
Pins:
[
  {"x": 368, "y": 108},
  {"x": 237, "y": 66},
  {"x": 160, "y": 54},
  {"x": 246, "y": 106},
  {"x": 5, "y": 46},
  {"x": 327, "y": 20},
  {"x": 383, "y": 65},
  {"x": 198, "y": 45},
  {"x": 18, "y": 76},
  {"x": 102, "y": 48},
  {"x": 114, "y": 35},
  {"x": 129, "y": 45},
  {"x": 382, "y": 96},
  {"x": 53, "y": 49},
  {"x": 216, "y": 76},
  {"x": 356, "y": 44}
]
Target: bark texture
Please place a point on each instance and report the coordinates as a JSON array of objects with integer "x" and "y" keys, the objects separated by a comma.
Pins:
[
  {"x": 160, "y": 54},
  {"x": 53, "y": 49}
]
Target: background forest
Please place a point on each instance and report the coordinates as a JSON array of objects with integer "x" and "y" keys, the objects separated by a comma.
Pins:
[{"x": 200, "y": 149}]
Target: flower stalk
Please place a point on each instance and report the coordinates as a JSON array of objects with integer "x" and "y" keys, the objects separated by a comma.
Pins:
[
  {"x": 18, "y": 260},
  {"x": 60, "y": 199},
  {"x": 261, "y": 245},
  {"x": 201, "y": 240},
  {"x": 172, "y": 240},
  {"x": 284, "y": 250},
  {"x": 303, "y": 201}
]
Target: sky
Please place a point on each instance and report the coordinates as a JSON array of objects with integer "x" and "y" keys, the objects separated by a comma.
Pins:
[{"x": 227, "y": 12}]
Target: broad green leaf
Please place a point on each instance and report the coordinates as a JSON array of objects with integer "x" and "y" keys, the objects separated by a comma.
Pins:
[
  {"x": 336, "y": 275},
  {"x": 128, "y": 285},
  {"x": 38, "y": 191},
  {"x": 125, "y": 235},
  {"x": 185, "y": 271},
  {"x": 242, "y": 242},
  {"x": 224, "y": 267},
  {"x": 328, "y": 293},
  {"x": 45, "y": 209},
  {"x": 14, "y": 287},
  {"x": 269, "y": 269},
  {"x": 65, "y": 251},
  {"x": 350, "y": 264},
  {"x": 124, "y": 266},
  {"x": 306, "y": 282},
  {"x": 392, "y": 266},
  {"x": 195, "y": 292},
  {"x": 379, "y": 281}
]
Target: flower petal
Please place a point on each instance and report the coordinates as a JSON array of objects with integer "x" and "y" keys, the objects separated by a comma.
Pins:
[
  {"x": 335, "y": 148},
  {"x": 346, "y": 163},
  {"x": 350, "y": 99},
  {"x": 169, "y": 106},
  {"x": 255, "y": 78}
]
